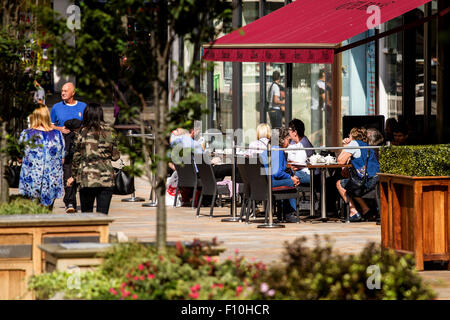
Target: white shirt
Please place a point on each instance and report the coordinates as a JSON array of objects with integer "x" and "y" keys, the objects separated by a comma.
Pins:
[
  {"x": 274, "y": 91},
  {"x": 298, "y": 156},
  {"x": 261, "y": 144},
  {"x": 356, "y": 153}
]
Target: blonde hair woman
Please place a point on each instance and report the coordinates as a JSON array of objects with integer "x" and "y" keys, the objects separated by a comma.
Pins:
[
  {"x": 41, "y": 173},
  {"x": 263, "y": 134}
]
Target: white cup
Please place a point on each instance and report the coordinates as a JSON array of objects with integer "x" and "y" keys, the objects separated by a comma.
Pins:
[{"x": 330, "y": 159}]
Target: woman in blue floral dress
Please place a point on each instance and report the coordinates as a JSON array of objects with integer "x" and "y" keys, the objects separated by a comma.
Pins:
[{"x": 41, "y": 176}]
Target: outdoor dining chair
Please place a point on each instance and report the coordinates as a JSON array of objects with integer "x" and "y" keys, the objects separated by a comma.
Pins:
[
  {"x": 210, "y": 186},
  {"x": 373, "y": 195},
  {"x": 187, "y": 177},
  {"x": 245, "y": 189},
  {"x": 259, "y": 189}
]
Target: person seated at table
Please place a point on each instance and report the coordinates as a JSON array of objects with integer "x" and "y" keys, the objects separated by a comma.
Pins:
[
  {"x": 357, "y": 157},
  {"x": 263, "y": 134},
  {"x": 401, "y": 135},
  {"x": 374, "y": 138},
  {"x": 295, "y": 124},
  {"x": 297, "y": 135},
  {"x": 279, "y": 175},
  {"x": 186, "y": 138},
  {"x": 389, "y": 129}
]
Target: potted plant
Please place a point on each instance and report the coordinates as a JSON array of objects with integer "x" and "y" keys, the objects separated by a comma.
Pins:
[{"x": 414, "y": 197}]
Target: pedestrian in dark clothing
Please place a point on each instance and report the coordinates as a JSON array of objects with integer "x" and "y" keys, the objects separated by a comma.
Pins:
[{"x": 70, "y": 193}]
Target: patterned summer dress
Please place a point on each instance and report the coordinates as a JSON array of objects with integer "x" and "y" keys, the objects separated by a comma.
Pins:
[{"x": 41, "y": 176}]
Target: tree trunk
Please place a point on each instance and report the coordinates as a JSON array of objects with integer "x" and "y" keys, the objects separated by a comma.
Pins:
[
  {"x": 160, "y": 96},
  {"x": 4, "y": 186}
]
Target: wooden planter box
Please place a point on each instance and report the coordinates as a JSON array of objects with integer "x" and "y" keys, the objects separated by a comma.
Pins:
[
  {"x": 415, "y": 216},
  {"x": 21, "y": 236},
  {"x": 64, "y": 256}
]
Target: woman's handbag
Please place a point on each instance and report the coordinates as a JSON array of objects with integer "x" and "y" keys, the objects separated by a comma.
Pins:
[
  {"x": 356, "y": 185},
  {"x": 13, "y": 174},
  {"x": 123, "y": 183}
]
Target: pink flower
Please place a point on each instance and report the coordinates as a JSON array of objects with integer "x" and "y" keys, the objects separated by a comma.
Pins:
[
  {"x": 150, "y": 276},
  {"x": 113, "y": 291},
  {"x": 236, "y": 251},
  {"x": 142, "y": 277},
  {"x": 238, "y": 290},
  {"x": 264, "y": 287},
  {"x": 194, "y": 295},
  {"x": 208, "y": 259},
  {"x": 136, "y": 278},
  {"x": 195, "y": 288},
  {"x": 123, "y": 285},
  {"x": 141, "y": 267},
  {"x": 271, "y": 292},
  {"x": 134, "y": 296},
  {"x": 125, "y": 294}
]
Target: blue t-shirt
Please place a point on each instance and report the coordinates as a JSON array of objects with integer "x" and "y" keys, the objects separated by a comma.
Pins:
[{"x": 61, "y": 112}]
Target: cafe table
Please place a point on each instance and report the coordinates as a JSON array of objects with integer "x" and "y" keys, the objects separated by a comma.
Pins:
[{"x": 323, "y": 168}]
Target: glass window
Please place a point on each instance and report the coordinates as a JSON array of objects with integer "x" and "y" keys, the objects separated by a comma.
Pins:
[
  {"x": 273, "y": 5},
  {"x": 311, "y": 100},
  {"x": 222, "y": 96},
  {"x": 391, "y": 70},
  {"x": 434, "y": 61},
  {"x": 420, "y": 67},
  {"x": 250, "y": 80},
  {"x": 222, "y": 93}
]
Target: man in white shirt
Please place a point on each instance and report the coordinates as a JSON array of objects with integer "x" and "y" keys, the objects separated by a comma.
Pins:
[
  {"x": 276, "y": 103},
  {"x": 298, "y": 157}
]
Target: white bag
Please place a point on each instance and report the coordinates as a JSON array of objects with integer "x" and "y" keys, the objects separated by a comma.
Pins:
[{"x": 171, "y": 187}]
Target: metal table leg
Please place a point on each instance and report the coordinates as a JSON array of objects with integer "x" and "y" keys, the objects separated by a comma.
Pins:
[
  {"x": 153, "y": 201},
  {"x": 323, "y": 205},
  {"x": 311, "y": 201}
]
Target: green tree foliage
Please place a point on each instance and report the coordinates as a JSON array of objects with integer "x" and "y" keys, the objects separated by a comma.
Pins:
[
  {"x": 144, "y": 32},
  {"x": 18, "y": 69}
]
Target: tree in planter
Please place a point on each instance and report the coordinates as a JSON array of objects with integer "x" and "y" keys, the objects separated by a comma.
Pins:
[
  {"x": 144, "y": 32},
  {"x": 18, "y": 67}
]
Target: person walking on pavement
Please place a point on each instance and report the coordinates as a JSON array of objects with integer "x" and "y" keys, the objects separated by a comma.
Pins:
[
  {"x": 95, "y": 146},
  {"x": 67, "y": 109},
  {"x": 276, "y": 103}
]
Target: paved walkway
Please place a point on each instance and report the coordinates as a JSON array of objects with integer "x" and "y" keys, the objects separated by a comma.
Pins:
[{"x": 265, "y": 245}]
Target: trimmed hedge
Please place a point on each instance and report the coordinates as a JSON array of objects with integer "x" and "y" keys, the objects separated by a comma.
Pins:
[
  {"x": 20, "y": 205},
  {"x": 430, "y": 160}
]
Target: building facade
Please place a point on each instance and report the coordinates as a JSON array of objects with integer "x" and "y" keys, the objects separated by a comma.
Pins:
[{"x": 399, "y": 76}]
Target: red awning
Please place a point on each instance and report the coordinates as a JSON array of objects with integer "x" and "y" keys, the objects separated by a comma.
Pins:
[{"x": 305, "y": 31}]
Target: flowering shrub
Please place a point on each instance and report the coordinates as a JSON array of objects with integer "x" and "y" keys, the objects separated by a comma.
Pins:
[
  {"x": 188, "y": 274},
  {"x": 319, "y": 273},
  {"x": 135, "y": 271}
]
